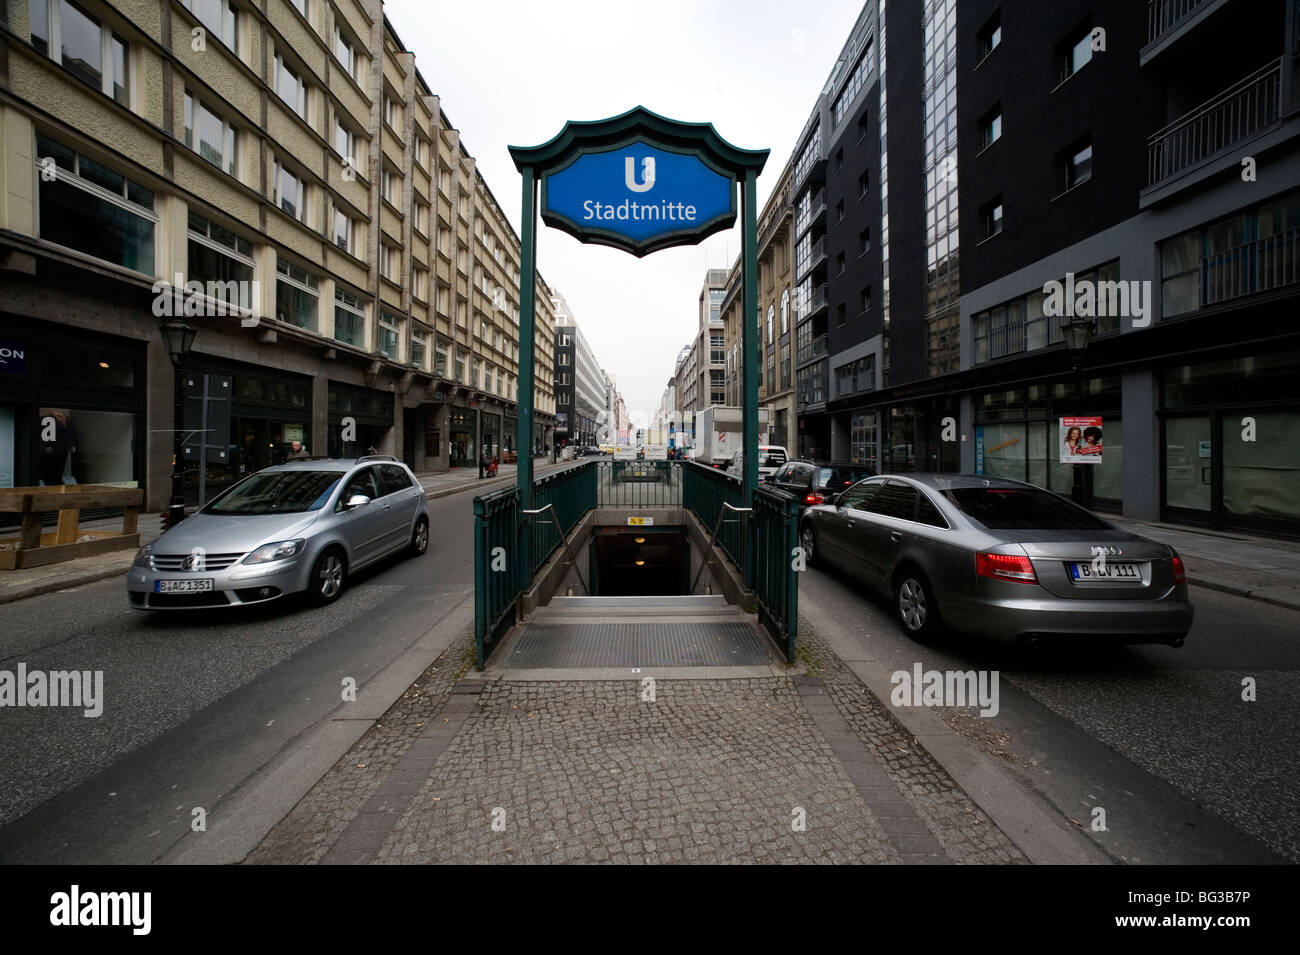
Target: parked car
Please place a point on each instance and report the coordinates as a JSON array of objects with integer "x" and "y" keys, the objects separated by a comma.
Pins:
[
  {"x": 302, "y": 526},
  {"x": 812, "y": 483},
  {"x": 770, "y": 458},
  {"x": 607, "y": 449},
  {"x": 999, "y": 558}
]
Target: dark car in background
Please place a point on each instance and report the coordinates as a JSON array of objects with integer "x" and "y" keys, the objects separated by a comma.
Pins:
[
  {"x": 1000, "y": 559},
  {"x": 811, "y": 483}
]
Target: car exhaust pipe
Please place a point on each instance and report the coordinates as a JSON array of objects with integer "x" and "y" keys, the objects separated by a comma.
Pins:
[{"x": 1031, "y": 641}]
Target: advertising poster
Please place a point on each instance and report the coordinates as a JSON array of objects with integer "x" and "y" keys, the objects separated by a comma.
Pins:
[{"x": 1080, "y": 440}]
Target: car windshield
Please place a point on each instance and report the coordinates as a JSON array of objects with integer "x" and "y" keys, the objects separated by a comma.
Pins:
[
  {"x": 280, "y": 492},
  {"x": 1022, "y": 508},
  {"x": 838, "y": 478}
]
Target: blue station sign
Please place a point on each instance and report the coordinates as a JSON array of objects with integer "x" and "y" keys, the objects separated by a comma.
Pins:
[{"x": 639, "y": 196}]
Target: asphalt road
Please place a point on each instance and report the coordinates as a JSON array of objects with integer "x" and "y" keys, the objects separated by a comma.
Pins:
[
  {"x": 1160, "y": 739},
  {"x": 194, "y": 704}
]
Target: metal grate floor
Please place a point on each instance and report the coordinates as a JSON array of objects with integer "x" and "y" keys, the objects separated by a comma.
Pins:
[{"x": 599, "y": 645}]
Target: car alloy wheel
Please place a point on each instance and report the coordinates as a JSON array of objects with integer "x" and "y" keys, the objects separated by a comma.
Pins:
[
  {"x": 808, "y": 541},
  {"x": 916, "y": 606},
  {"x": 420, "y": 539},
  {"x": 328, "y": 577}
]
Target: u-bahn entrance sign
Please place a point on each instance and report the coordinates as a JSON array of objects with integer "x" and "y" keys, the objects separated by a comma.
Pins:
[{"x": 638, "y": 182}]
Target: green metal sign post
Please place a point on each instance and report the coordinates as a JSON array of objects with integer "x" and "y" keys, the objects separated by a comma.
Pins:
[{"x": 639, "y": 182}]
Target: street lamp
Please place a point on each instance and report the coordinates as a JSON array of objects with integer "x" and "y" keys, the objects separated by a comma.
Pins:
[
  {"x": 178, "y": 339},
  {"x": 1077, "y": 331}
]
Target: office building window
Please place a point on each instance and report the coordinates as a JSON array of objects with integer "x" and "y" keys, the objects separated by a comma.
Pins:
[
  {"x": 440, "y": 358},
  {"x": 389, "y": 261},
  {"x": 785, "y": 311},
  {"x": 864, "y": 241},
  {"x": 347, "y": 53},
  {"x": 83, "y": 46},
  {"x": 1078, "y": 164},
  {"x": 420, "y": 284},
  {"x": 418, "y": 340},
  {"x": 345, "y": 232},
  {"x": 290, "y": 192},
  {"x": 296, "y": 295},
  {"x": 222, "y": 261},
  {"x": 290, "y": 87},
  {"x": 991, "y": 217},
  {"x": 991, "y": 127},
  {"x": 864, "y": 299},
  {"x": 349, "y": 319},
  {"x": 219, "y": 17},
  {"x": 95, "y": 210},
  {"x": 388, "y": 328},
  {"x": 990, "y": 35},
  {"x": 785, "y": 365},
  {"x": 1074, "y": 54},
  {"x": 209, "y": 135}
]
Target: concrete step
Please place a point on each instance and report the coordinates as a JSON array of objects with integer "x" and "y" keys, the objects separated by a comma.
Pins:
[
  {"x": 638, "y": 610},
  {"x": 634, "y": 602}
]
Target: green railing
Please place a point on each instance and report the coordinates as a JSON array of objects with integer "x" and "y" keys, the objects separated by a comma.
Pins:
[
  {"x": 640, "y": 483},
  {"x": 572, "y": 493},
  {"x": 704, "y": 490},
  {"x": 498, "y": 529},
  {"x": 776, "y": 581},
  {"x": 769, "y": 534}
]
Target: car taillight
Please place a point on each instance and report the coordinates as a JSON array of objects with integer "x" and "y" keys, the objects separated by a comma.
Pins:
[
  {"x": 812, "y": 499},
  {"x": 1006, "y": 567},
  {"x": 1180, "y": 572}
]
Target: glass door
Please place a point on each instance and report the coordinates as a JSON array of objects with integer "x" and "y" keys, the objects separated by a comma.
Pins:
[{"x": 1189, "y": 469}]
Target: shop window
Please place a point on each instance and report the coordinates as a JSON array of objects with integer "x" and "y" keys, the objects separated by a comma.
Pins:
[
  {"x": 222, "y": 261},
  {"x": 85, "y": 447}
]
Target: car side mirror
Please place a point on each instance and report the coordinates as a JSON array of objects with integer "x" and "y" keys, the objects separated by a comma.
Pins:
[
  {"x": 831, "y": 499},
  {"x": 356, "y": 500}
]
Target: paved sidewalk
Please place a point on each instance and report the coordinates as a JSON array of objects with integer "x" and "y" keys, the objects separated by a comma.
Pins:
[
  {"x": 1259, "y": 568},
  {"x": 786, "y": 768},
  {"x": 30, "y": 582}
]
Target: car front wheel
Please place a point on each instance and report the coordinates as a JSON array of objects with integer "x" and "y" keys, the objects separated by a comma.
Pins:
[
  {"x": 917, "y": 610},
  {"x": 328, "y": 578}
]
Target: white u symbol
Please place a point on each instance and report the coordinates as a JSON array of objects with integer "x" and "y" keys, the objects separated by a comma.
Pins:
[{"x": 647, "y": 173}]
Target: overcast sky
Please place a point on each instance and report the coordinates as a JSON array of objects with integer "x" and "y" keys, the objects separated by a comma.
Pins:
[{"x": 512, "y": 72}]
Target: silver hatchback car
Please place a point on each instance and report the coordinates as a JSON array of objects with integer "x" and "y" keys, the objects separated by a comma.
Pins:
[
  {"x": 1001, "y": 559},
  {"x": 301, "y": 526}
]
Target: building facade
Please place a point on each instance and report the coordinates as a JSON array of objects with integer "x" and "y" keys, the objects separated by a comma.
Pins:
[
  {"x": 581, "y": 391},
  {"x": 282, "y": 180}
]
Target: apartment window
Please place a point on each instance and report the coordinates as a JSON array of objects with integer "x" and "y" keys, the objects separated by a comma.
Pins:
[
  {"x": 422, "y": 151},
  {"x": 440, "y": 359},
  {"x": 345, "y": 51},
  {"x": 1078, "y": 165},
  {"x": 864, "y": 299},
  {"x": 420, "y": 284},
  {"x": 841, "y": 315},
  {"x": 564, "y": 359},
  {"x": 345, "y": 232},
  {"x": 785, "y": 365},
  {"x": 1075, "y": 53},
  {"x": 391, "y": 187},
  {"x": 96, "y": 210},
  {"x": 444, "y": 239},
  {"x": 460, "y": 366},
  {"x": 219, "y": 17},
  {"x": 462, "y": 312},
  {"x": 290, "y": 192},
  {"x": 389, "y": 261},
  {"x": 420, "y": 218},
  {"x": 991, "y": 217},
  {"x": 849, "y": 91},
  {"x": 296, "y": 295},
  {"x": 345, "y": 142},
  {"x": 839, "y": 264},
  {"x": 990, "y": 35},
  {"x": 418, "y": 341},
  {"x": 864, "y": 125},
  {"x": 83, "y": 46},
  {"x": 290, "y": 87},
  {"x": 209, "y": 135},
  {"x": 303, "y": 8},
  {"x": 771, "y": 316},
  {"x": 771, "y": 372},
  {"x": 349, "y": 319},
  {"x": 864, "y": 241},
  {"x": 785, "y": 311},
  {"x": 856, "y": 376},
  {"x": 864, "y": 184},
  {"x": 392, "y": 113},
  {"x": 222, "y": 261},
  {"x": 388, "y": 326},
  {"x": 839, "y": 210},
  {"x": 991, "y": 127},
  {"x": 476, "y": 373},
  {"x": 1180, "y": 273}
]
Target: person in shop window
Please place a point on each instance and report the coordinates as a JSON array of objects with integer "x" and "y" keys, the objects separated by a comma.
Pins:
[
  {"x": 297, "y": 451},
  {"x": 55, "y": 425}
]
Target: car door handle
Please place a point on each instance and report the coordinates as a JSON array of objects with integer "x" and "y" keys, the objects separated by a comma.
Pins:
[
  {"x": 851, "y": 524},
  {"x": 895, "y": 536}
]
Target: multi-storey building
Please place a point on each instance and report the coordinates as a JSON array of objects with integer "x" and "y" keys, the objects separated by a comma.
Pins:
[
  {"x": 687, "y": 379},
  {"x": 774, "y": 322},
  {"x": 580, "y": 384},
  {"x": 282, "y": 179}
]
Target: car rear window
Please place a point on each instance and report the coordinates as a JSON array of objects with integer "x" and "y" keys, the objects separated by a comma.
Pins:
[
  {"x": 838, "y": 478},
  {"x": 1022, "y": 508}
]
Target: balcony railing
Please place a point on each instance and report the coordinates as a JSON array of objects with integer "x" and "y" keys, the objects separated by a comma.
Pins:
[
  {"x": 814, "y": 350},
  {"x": 1164, "y": 15},
  {"x": 1265, "y": 264},
  {"x": 1228, "y": 118}
]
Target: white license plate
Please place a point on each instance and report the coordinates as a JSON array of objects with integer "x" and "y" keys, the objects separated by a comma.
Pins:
[
  {"x": 182, "y": 586},
  {"x": 1105, "y": 573}
]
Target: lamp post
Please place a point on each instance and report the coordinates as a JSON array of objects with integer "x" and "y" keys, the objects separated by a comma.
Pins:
[
  {"x": 178, "y": 339},
  {"x": 1077, "y": 330}
]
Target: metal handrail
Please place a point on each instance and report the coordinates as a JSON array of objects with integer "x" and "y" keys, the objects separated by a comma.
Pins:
[
  {"x": 704, "y": 558},
  {"x": 564, "y": 539}
]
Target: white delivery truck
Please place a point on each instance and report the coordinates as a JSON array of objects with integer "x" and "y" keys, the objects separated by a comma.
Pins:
[{"x": 719, "y": 434}]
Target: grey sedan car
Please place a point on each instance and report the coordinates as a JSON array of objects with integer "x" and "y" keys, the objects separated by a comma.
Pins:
[
  {"x": 1000, "y": 559},
  {"x": 301, "y": 526}
]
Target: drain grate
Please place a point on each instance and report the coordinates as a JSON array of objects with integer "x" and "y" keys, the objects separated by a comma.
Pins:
[{"x": 625, "y": 645}]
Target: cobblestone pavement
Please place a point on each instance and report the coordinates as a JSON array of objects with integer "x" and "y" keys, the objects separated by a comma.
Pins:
[{"x": 723, "y": 771}]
